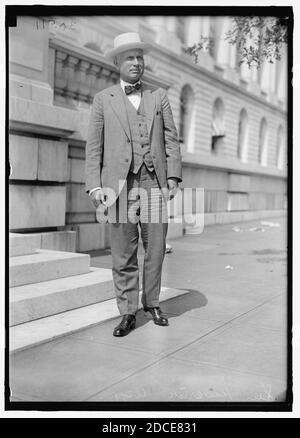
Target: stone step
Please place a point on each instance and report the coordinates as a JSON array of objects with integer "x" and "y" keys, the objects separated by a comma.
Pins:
[
  {"x": 43, "y": 330},
  {"x": 34, "y": 301},
  {"x": 23, "y": 244},
  {"x": 46, "y": 265}
]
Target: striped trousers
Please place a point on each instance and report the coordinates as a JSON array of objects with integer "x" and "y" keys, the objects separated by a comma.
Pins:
[{"x": 145, "y": 216}]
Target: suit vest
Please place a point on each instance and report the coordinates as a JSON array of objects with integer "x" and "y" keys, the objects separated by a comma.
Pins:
[{"x": 139, "y": 136}]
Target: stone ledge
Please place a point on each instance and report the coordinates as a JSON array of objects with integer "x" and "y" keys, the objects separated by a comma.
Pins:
[
  {"x": 22, "y": 244},
  {"x": 59, "y": 241},
  {"x": 240, "y": 216},
  {"x": 24, "y": 87},
  {"x": 28, "y": 243},
  {"x": 238, "y": 183},
  {"x": 30, "y": 116},
  {"x": 227, "y": 164}
]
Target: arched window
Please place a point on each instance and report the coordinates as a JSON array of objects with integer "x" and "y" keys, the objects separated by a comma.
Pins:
[
  {"x": 187, "y": 117},
  {"x": 280, "y": 148},
  {"x": 263, "y": 143},
  {"x": 242, "y": 147},
  {"x": 218, "y": 126}
]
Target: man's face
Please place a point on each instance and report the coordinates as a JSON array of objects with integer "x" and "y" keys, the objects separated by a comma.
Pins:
[{"x": 131, "y": 65}]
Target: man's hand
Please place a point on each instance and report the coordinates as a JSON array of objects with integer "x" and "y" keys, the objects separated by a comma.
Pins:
[
  {"x": 173, "y": 187},
  {"x": 98, "y": 197}
]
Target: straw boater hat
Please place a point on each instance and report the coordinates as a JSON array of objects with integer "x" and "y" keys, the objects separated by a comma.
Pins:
[{"x": 127, "y": 41}]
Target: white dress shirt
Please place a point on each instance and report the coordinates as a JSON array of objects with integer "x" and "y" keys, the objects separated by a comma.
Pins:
[
  {"x": 135, "y": 96},
  {"x": 135, "y": 99}
]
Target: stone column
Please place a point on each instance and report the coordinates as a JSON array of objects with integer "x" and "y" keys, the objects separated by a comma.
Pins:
[
  {"x": 254, "y": 74},
  {"x": 265, "y": 76},
  {"x": 222, "y": 55},
  {"x": 193, "y": 32},
  {"x": 245, "y": 71},
  {"x": 281, "y": 86},
  {"x": 165, "y": 28},
  {"x": 205, "y": 29},
  {"x": 204, "y": 58},
  {"x": 273, "y": 77},
  {"x": 156, "y": 22},
  {"x": 171, "y": 24}
]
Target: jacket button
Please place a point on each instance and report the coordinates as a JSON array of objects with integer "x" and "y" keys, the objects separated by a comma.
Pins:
[
  {"x": 128, "y": 141},
  {"x": 126, "y": 159}
]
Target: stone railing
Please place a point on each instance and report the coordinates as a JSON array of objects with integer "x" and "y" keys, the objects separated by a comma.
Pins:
[{"x": 78, "y": 73}]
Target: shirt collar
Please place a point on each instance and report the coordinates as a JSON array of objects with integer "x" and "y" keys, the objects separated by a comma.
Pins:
[{"x": 123, "y": 83}]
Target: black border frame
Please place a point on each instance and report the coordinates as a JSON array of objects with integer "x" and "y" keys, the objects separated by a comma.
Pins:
[{"x": 11, "y": 13}]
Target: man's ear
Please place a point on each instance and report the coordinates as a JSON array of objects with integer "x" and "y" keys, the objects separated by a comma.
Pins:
[{"x": 115, "y": 60}]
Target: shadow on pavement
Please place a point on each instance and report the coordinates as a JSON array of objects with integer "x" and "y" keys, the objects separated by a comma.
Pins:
[{"x": 175, "y": 307}]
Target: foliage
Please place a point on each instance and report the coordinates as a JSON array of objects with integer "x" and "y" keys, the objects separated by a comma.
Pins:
[
  {"x": 205, "y": 43},
  {"x": 256, "y": 38}
]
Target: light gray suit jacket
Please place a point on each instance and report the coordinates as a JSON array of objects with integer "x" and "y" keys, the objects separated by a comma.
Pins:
[{"x": 108, "y": 147}]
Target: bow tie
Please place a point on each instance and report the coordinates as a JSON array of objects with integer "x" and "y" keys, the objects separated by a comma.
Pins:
[{"x": 131, "y": 88}]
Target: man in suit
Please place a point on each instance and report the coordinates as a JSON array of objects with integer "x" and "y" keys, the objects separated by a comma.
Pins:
[{"x": 133, "y": 152}]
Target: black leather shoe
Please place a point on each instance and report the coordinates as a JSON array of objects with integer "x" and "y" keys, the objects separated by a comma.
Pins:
[
  {"x": 126, "y": 325},
  {"x": 157, "y": 316}
]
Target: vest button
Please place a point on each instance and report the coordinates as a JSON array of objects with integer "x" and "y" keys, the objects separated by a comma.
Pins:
[
  {"x": 126, "y": 160},
  {"x": 128, "y": 141}
]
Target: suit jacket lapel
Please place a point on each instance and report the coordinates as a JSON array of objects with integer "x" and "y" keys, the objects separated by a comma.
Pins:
[
  {"x": 118, "y": 105},
  {"x": 149, "y": 105}
]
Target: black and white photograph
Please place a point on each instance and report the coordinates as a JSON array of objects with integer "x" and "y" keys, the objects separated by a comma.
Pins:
[{"x": 149, "y": 157}]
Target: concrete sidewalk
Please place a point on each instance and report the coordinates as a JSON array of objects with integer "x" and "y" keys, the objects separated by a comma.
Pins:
[{"x": 227, "y": 338}]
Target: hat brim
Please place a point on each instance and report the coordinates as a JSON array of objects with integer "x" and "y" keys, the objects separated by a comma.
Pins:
[{"x": 110, "y": 54}]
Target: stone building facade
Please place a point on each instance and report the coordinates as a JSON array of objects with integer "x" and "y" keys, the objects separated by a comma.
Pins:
[{"x": 231, "y": 120}]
